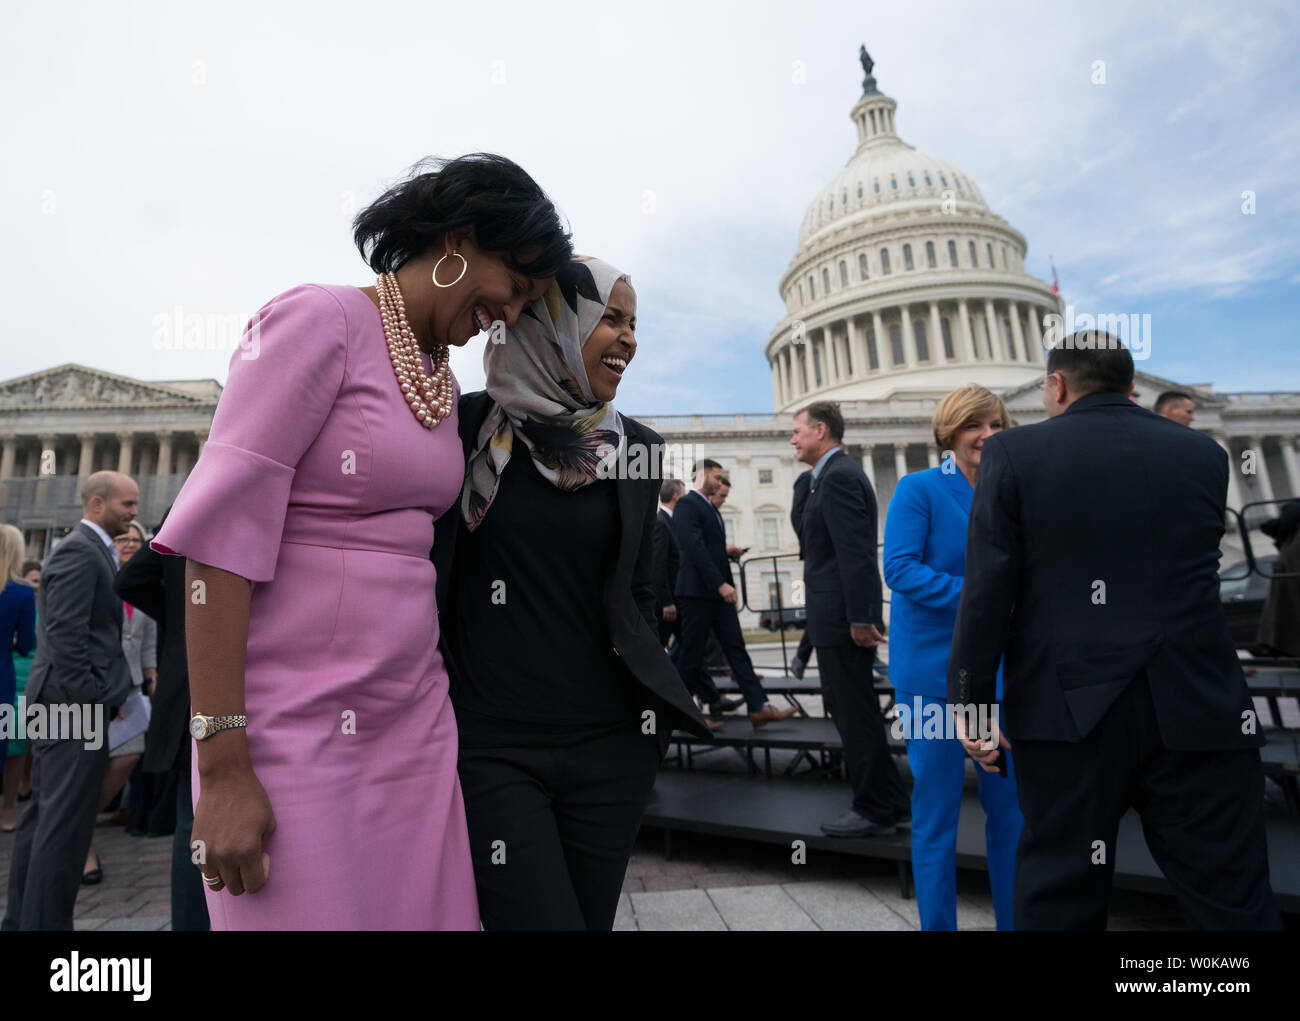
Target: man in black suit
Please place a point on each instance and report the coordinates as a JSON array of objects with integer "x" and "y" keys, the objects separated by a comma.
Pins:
[
  {"x": 79, "y": 668},
  {"x": 155, "y": 584},
  {"x": 844, "y": 599},
  {"x": 707, "y": 599},
  {"x": 666, "y": 561},
  {"x": 1091, "y": 566}
]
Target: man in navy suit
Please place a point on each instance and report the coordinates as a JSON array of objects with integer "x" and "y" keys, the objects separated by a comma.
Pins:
[
  {"x": 666, "y": 562},
  {"x": 844, "y": 600},
  {"x": 707, "y": 599},
  {"x": 1092, "y": 561}
]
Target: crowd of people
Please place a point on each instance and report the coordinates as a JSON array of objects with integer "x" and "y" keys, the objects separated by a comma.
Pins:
[{"x": 412, "y": 645}]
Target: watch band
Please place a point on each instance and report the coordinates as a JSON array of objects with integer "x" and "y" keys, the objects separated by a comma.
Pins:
[{"x": 213, "y": 724}]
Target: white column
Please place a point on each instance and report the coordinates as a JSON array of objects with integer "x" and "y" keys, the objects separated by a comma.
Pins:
[
  {"x": 202, "y": 438},
  {"x": 1234, "y": 467},
  {"x": 834, "y": 372},
  {"x": 967, "y": 334},
  {"x": 165, "y": 452},
  {"x": 936, "y": 334},
  {"x": 858, "y": 343},
  {"x": 909, "y": 342},
  {"x": 1287, "y": 443},
  {"x": 882, "y": 341},
  {"x": 990, "y": 324},
  {"x": 1017, "y": 333},
  {"x": 86, "y": 462},
  {"x": 127, "y": 441},
  {"x": 1036, "y": 333},
  {"x": 777, "y": 399},
  {"x": 1261, "y": 471},
  {"x": 900, "y": 459},
  {"x": 8, "y": 453},
  {"x": 869, "y": 463}
]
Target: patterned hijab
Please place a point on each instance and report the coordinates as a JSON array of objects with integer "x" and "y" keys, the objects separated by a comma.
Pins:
[{"x": 539, "y": 389}]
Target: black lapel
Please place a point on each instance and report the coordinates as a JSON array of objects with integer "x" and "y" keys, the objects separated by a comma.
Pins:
[
  {"x": 628, "y": 500},
  {"x": 90, "y": 534}
]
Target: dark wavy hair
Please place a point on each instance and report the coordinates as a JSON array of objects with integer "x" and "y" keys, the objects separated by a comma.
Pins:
[{"x": 507, "y": 209}]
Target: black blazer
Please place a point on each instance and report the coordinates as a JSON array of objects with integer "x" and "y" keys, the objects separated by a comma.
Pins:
[
  {"x": 1092, "y": 554},
  {"x": 702, "y": 543},
  {"x": 841, "y": 579},
  {"x": 667, "y": 559},
  {"x": 798, "y": 503},
  {"x": 155, "y": 584},
  {"x": 629, "y": 587},
  {"x": 79, "y": 654}
]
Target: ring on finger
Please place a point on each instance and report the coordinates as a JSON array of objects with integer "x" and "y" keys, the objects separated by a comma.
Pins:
[{"x": 211, "y": 880}]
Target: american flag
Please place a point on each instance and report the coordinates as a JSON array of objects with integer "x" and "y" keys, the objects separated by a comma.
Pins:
[{"x": 1056, "y": 284}]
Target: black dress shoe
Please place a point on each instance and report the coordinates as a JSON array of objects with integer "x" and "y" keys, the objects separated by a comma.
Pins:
[
  {"x": 853, "y": 824},
  {"x": 725, "y": 705},
  {"x": 94, "y": 876},
  {"x": 797, "y": 667}
]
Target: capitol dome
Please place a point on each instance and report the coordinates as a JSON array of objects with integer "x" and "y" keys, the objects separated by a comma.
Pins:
[{"x": 904, "y": 280}]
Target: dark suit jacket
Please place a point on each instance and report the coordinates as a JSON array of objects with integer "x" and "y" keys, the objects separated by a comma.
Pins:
[
  {"x": 155, "y": 584},
  {"x": 1092, "y": 554},
  {"x": 798, "y": 504},
  {"x": 666, "y": 561},
  {"x": 702, "y": 543},
  {"x": 79, "y": 656},
  {"x": 629, "y": 587},
  {"x": 841, "y": 579}
]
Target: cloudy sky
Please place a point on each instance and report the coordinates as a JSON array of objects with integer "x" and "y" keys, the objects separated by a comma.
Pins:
[{"x": 164, "y": 162}]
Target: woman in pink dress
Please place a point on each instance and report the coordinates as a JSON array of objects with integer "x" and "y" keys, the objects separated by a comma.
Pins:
[{"x": 325, "y": 767}]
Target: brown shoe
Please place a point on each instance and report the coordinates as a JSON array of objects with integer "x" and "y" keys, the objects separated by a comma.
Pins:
[
  {"x": 715, "y": 725},
  {"x": 769, "y": 714}
]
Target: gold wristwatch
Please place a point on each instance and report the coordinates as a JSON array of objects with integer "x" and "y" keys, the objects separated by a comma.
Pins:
[{"x": 203, "y": 727}]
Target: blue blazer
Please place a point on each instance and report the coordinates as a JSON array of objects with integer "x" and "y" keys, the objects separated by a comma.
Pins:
[{"x": 925, "y": 562}]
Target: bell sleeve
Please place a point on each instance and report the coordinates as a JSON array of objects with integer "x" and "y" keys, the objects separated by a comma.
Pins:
[{"x": 284, "y": 379}]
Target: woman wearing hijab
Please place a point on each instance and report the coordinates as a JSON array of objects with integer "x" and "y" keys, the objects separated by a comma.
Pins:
[{"x": 564, "y": 698}]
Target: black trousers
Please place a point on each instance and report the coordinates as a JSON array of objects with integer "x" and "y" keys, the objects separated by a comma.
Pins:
[
  {"x": 877, "y": 786},
  {"x": 189, "y": 907},
  {"x": 551, "y": 828},
  {"x": 699, "y": 617},
  {"x": 1202, "y": 814},
  {"x": 54, "y": 834}
]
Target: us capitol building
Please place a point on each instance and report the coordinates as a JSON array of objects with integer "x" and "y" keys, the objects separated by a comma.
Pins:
[{"x": 904, "y": 285}]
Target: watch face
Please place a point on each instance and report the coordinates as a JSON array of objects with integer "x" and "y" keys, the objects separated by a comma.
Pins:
[{"x": 198, "y": 728}]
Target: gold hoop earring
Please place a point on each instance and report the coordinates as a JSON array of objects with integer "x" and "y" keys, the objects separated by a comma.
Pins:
[{"x": 464, "y": 265}]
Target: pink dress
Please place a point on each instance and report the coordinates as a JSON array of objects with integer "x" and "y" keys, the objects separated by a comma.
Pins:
[{"x": 319, "y": 485}]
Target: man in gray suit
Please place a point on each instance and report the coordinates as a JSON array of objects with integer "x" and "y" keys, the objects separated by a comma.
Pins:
[{"x": 79, "y": 674}]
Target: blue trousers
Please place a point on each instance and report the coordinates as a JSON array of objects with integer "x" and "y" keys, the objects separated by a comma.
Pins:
[{"x": 938, "y": 770}]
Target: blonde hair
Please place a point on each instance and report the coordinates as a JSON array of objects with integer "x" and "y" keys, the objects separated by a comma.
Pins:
[
  {"x": 962, "y": 405},
  {"x": 139, "y": 529},
  {"x": 12, "y": 554}
]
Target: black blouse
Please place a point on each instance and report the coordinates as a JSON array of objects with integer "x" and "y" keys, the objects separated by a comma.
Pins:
[{"x": 533, "y": 645}]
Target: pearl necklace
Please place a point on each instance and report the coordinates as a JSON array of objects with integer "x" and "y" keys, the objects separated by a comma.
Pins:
[{"x": 429, "y": 397}]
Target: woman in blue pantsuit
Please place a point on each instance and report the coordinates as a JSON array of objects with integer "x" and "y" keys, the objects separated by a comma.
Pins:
[{"x": 924, "y": 559}]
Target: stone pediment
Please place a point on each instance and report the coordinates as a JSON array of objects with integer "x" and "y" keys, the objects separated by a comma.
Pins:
[{"x": 74, "y": 386}]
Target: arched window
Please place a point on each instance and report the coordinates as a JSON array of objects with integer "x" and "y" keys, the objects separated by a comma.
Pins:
[
  {"x": 873, "y": 358},
  {"x": 989, "y": 246},
  {"x": 826, "y": 280},
  {"x": 859, "y": 191},
  {"x": 802, "y": 299},
  {"x": 974, "y": 261},
  {"x": 945, "y": 327},
  {"x": 876, "y": 186},
  {"x": 907, "y": 257},
  {"x": 911, "y": 181},
  {"x": 944, "y": 179},
  {"x": 844, "y": 274},
  {"x": 958, "y": 180},
  {"x": 952, "y": 254},
  {"x": 844, "y": 197},
  {"x": 884, "y": 261},
  {"x": 922, "y": 341},
  {"x": 929, "y": 254},
  {"x": 928, "y": 182},
  {"x": 893, "y": 182},
  {"x": 896, "y": 343},
  {"x": 862, "y": 265},
  {"x": 1004, "y": 257}
]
